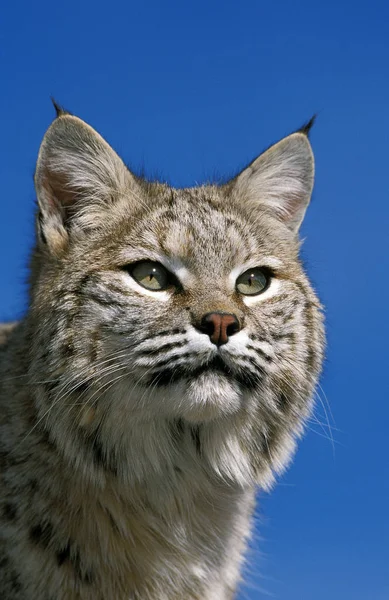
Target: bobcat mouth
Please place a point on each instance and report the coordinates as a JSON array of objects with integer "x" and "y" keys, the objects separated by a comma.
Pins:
[{"x": 248, "y": 377}]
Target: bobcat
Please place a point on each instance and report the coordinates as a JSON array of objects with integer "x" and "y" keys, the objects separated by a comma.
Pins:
[{"x": 164, "y": 369}]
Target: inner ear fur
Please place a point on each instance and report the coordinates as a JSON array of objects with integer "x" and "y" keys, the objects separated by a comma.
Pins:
[
  {"x": 281, "y": 178},
  {"x": 78, "y": 175}
]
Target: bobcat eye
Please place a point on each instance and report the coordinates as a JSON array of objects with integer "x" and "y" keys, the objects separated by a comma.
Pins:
[
  {"x": 150, "y": 275},
  {"x": 253, "y": 282}
]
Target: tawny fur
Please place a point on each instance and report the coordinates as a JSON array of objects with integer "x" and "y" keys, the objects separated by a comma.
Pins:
[{"x": 128, "y": 467}]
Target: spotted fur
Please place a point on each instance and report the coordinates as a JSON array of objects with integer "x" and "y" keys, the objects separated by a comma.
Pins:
[{"x": 130, "y": 444}]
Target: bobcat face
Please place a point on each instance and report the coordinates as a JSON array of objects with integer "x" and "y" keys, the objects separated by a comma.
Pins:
[{"x": 163, "y": 335}]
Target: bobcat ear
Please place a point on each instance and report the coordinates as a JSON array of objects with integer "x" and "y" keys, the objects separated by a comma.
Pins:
[
  {"x": 78, "y": 175},
  {"x": 281, "y": 178}
]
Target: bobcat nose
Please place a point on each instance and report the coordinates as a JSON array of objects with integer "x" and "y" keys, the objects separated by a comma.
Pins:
[{"x": 219, "y": 326}]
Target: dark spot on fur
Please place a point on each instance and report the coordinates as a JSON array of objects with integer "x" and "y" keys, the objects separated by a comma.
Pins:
[
  {"x": 44, "y": 355},
  {"x": 180, "y": 427},
  {"x": 281, "y": 313},
  {"x": 46, "y": 439},
  {"x": 9, "y": 578},
  {"x": 82, "y": 387},
  {"x": 283, "y": 399},
  {"x": 4, "y": 562},
  {"x": 163, "y": 348},
  {"x": 72, "y": 556},
  {"x": 177, "y": 430},
  {"x": 51, "y": 386},
  {"x": 106, "y": 302},
  {"x": 124, "y": 332},
  {"x": 311, "y": 359},
  {"x": 195, "y": 435},
  {"x": 67, "y": 350},
  {"x": 11, "y": 461},
  {"x": 33, "y": 485},
  {"x": 171, "y": 201},
  {"x": 174, "y": 331},
  {"x": 15, "y": 583},
  {"x": 94, "y": 345},
  {"x": 283, "y": 336},
  {"x": 260, "y": 353},
  {"x": 173, "y": 361},
  {"x": 99, "y": 456},
  {"x": 63, "y": 555},
  {"x": 87, "y": 577},
  {"x": 41, "y": 534},
  {"x": 3, "y": 460},
  {"x": 166, "y": 377},
  {"x": 9, "y": 511},
  {"x": 37, "y": 425}
]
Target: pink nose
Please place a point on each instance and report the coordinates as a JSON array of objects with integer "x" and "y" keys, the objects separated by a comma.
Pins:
[{"x": 219, "y": 326}]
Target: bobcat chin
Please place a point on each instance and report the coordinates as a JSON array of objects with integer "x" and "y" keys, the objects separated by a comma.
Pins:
[{"x": 163, "y": 371}]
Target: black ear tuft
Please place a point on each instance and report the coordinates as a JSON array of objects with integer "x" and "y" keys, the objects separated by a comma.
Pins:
[
  {"x": 60, "y": 112},
  {"x": 306, "y": 128}
]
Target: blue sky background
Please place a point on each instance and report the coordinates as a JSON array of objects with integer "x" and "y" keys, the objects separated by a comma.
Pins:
[{"x": 194, "y": 89}]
